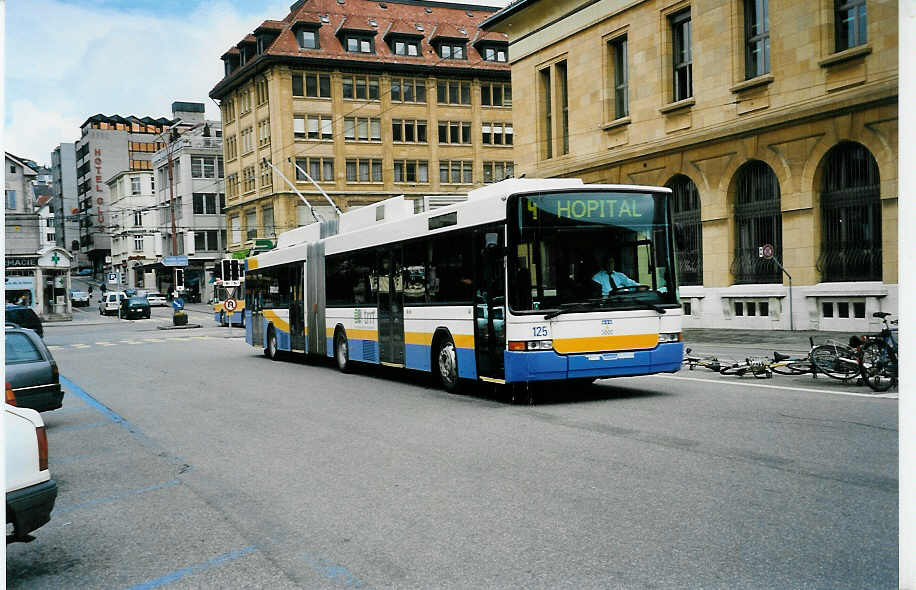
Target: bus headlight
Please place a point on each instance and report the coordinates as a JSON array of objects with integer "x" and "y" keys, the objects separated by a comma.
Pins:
[
  {"x": 669, "y": 337},
  {"x": 529, "y": 345}
]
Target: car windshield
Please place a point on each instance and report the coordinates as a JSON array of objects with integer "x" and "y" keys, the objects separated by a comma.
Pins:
[
  {"x": 20, "y": 349},
  {"x": 137, "y": 301},
  {"x": 590, "y": 250}
]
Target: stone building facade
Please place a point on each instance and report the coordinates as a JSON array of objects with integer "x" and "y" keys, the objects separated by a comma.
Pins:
[
  {"x": 772, "y": 127},
  {"x": 372, "y": 99}
]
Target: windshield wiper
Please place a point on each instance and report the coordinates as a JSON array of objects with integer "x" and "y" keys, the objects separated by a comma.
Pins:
[{"x": 572, "y": 308}]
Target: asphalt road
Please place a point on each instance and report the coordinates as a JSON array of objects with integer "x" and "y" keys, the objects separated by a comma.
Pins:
[{"x": 186, "y": 459}]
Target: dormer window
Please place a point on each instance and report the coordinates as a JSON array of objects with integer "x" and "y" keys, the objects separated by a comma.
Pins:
[
  {"x": 307, "y": 38},
  {"x": 408, "y": 47},
  {"x": 452, "y": 50},
  {"x": 494, "y": 53},
  {"x": 359, "y": 43}
]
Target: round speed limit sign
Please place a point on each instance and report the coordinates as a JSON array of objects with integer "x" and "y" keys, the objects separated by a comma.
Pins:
[{"x": 230, "y": 305}]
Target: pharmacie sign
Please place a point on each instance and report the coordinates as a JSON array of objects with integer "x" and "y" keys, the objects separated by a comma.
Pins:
[{"x": 21, "y": 261}]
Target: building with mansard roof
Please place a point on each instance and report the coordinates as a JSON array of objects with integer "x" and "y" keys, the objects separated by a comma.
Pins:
[{"x": 371, "y": 99}]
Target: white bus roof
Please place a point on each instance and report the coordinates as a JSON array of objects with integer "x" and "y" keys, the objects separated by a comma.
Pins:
[{"x": 394, "y": 219}]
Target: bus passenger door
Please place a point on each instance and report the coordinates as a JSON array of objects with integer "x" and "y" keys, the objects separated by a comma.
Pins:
[
  {"x": 253, "y": 305},
  {"x": 490, "y": 302},
  {"x": 296, "y": 308},
  {"x": 391, "y": 307}
]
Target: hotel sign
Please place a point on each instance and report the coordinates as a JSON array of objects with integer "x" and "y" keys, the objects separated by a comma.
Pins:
[{"x": 100, "y": 199}]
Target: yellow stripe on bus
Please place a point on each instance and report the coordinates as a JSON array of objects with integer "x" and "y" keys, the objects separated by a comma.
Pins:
[
  {"x": 426, "y": 339},
  {"x": 276, "y": 320},
  {"x": 605, "y": 343},
  {"x": 355, "y": 334}
]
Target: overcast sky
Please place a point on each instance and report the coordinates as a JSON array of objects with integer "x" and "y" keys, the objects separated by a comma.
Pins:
[{"x": 67, "y": 60}]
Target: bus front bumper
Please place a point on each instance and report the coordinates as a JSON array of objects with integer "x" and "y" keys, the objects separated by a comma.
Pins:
[{"x": 549, "y": 365}]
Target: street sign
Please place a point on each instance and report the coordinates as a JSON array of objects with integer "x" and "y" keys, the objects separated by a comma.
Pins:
[
  {"x": 766, "y": 251},
  {"x": 113, "y": 278},
  {"x": 177, "y": 304},
  {"x": 230, "y": 305},
  {"x": 175, "y": 261}
]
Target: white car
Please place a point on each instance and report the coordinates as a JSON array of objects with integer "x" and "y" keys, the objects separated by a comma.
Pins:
[
  {"x": 156, "y": 298},
  {"x": 111, "y": 302},
  {"x": 30, "y": 491}
]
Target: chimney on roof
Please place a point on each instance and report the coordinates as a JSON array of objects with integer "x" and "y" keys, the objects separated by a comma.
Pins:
[{"x": 190, "y": 113}]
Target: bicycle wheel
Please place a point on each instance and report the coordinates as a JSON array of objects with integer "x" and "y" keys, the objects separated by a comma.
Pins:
[
  {"x": 793, "y": 368},
  {"x": 736, "y": 369},
  {"x": 879, "y": 365},
  {"x": 836, "y": 361}
]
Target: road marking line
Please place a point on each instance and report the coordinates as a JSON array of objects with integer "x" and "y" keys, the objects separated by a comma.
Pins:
[
  {"x": 765, "y": 386},
  {"x": 113, "y": 497},
  {"x": 79, "y": 345},
  {"x": 55, "y": 347},
  {"x": 106, "y": 343},
  {"x": 193, "y": 569},
  {"x": 129, "y": 341},
  {"x": 153, "y": 340}
]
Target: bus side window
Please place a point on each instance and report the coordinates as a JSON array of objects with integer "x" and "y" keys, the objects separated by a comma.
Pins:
[{"x": 415, "y": 273}]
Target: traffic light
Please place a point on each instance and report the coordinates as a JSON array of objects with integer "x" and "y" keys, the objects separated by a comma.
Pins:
[
  {"x": 231, "y": 270},
  {"x": 179, "y": 279}
]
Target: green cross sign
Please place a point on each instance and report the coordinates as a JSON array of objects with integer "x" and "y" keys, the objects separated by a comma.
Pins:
[{"x": 55, "y": 258}]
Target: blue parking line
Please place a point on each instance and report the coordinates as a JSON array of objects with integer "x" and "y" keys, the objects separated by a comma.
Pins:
[
  {"x": 115, "y": 497},
  {"x": 103, "y": 409},
  {"x": 178, "y": 574}
]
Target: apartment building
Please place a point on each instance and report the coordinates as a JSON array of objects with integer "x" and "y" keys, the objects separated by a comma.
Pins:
[
  {"x": 109, "y": 145},
  {"x": 135, "y": 231},
  {"x": 196, "y": 200},
  {"x": 772, "y": 127},
  {"x": 63, "y": 185},
  {"x": 370, "y": 99}
]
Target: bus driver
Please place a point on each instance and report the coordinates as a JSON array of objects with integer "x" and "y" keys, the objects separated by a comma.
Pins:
[{"x": 611, "y": 279}]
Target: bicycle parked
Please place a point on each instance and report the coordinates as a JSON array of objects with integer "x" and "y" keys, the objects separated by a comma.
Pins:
[
  {"x": 878, "y": 356},
  {"x": 709, "y": 362}
]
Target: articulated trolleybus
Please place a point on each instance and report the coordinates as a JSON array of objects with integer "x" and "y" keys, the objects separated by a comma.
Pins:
[{"x": 527, "y": 280}]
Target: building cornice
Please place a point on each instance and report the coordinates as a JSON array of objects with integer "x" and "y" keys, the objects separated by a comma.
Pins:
[{"x": 873, "y": 95}]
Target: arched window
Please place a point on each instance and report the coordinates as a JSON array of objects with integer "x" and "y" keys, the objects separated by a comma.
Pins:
[
  {"x": 758, "y": 221},
  {"x": 688, "y": 230},
  {"x": 850, "y": 216}
]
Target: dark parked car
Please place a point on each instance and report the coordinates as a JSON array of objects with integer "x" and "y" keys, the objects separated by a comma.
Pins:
[
  {"x": 31, "y": 371},
  {"x": 25, "y": 317},
  {"x": 133, "y": 308}
]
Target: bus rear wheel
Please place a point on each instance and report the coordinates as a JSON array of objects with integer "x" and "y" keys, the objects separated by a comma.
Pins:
[
  {"x": 271, "y": 351},
  {"x": 446, "y": 365},
  {"x": 341, "y": 351}
]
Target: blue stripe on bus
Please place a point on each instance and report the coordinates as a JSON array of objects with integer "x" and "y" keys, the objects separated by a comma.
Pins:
[
  {"x": 467, "y": 363},
  {"x": 365, "y": 351},
  {"x": 416, "y": 356},
  {"x": 548, "y": 365},
  {"x": 330, "y": 345}
]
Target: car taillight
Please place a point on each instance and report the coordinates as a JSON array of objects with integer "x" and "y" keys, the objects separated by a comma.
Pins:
[
  {"x": 10, "y": 396},
  {"x": 42, "y": 448},
  {"x": 55, "y": 372}
]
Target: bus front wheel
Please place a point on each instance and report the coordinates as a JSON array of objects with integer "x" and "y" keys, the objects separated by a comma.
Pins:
[
  {"x": 447, "y": 365},
  {"x": 341, "y": 351}
]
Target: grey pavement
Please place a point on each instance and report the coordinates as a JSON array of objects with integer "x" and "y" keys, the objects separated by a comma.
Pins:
[{"x": 755, "y": 341}]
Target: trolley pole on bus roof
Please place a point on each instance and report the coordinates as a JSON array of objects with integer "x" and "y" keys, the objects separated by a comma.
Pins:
[{"x": 311, "y": 209}]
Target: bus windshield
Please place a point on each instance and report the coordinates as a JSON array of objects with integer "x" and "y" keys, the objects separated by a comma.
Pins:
[{"x": 583, "y": 251}]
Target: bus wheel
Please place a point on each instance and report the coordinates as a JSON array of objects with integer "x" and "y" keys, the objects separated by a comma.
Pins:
[
  {"x": 271, "y": 351},
  {"x": 341, "y": 351},
  {"x": 447, "y": 365}
]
